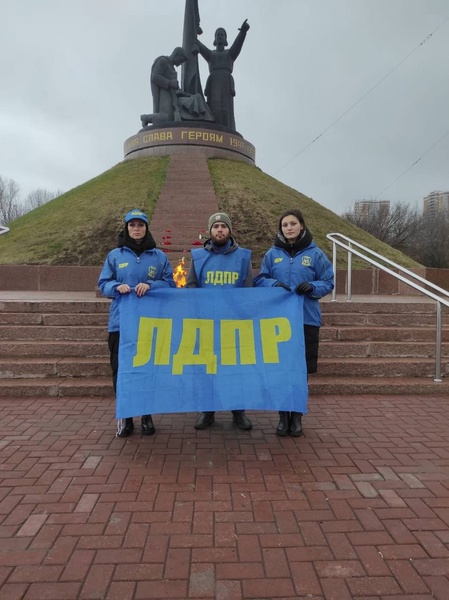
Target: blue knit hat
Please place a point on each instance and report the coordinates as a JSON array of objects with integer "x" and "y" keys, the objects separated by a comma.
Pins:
[{"x": 135, "y": 213}]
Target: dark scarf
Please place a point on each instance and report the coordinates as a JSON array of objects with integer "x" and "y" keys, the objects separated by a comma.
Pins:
[
  {"x": 147, "y": 243},
  {"x": 304, "y": 240}
]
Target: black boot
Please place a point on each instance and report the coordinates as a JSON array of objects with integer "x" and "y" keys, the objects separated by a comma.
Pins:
[
  {"x": 204, "y": 419},
  {"x": 283, "y": 427},
  {"x": 241, "y": 420},
  {"x": 148, "y": 427},
  {"x": 296, "y": 424},
  {"x": 125, "y": 427}
]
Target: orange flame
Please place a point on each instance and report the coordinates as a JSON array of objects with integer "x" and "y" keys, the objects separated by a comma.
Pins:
[{"x": 180, "y": 273}]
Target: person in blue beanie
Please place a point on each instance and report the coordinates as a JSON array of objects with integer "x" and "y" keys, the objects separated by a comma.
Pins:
[{"x": 136, "y": 266}]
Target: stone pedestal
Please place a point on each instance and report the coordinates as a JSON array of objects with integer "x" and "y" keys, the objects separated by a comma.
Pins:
[{"x": 180, "y": 138}]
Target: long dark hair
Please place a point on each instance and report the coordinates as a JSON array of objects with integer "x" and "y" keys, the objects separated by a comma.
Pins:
[{"x": 296, "y": 213}]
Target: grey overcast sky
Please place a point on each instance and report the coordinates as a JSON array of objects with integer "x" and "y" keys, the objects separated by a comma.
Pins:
[{"x": 75, "y": 79}]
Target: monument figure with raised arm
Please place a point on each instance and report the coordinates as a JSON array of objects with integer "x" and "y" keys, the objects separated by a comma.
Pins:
[{"x": 220, "y": 89}]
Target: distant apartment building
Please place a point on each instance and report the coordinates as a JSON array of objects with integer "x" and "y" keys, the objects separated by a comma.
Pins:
[
  {"x": 368, "y": 208},
  {"x": 434, "y": 203}
]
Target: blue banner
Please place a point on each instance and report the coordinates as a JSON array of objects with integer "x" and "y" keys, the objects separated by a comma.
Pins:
[{"x": 185, "y": 350}]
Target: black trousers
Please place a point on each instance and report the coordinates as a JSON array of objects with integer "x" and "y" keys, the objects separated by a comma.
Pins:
[
  {"x": 311, "y": 340},
  {"x": 113, "y": 342}
]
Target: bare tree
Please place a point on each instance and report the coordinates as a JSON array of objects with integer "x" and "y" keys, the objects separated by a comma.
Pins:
[
  {"x": 431, "y": 246},
  {"x": 395, "y": 226},
  {"x": 10, "y": 207},
  {"x": 38, "y": 197}
]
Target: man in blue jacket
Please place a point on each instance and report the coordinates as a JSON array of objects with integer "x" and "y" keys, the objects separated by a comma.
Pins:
[{"x": 219, "y": 265}]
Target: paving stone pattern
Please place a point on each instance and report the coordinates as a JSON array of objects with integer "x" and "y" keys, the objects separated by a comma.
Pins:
[{"x": 357, "y": 509}]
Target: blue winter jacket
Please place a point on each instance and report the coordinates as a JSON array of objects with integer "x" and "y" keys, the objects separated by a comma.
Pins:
[
  {"x": 230, "y": 268},
  {"x": 309, "y": 265},
  {"x": 122, "y": 265}
]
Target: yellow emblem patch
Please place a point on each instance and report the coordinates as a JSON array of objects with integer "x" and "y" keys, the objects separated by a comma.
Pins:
[
  {"x": 278, "y": 260},
  {"x": 152, "y": 272},
  {"x": 123, "y": 265},
  {"x": 306, "y": 261}
]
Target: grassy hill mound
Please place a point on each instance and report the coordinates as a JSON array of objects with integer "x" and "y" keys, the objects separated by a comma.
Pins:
[{"x": 81, "y": 226}]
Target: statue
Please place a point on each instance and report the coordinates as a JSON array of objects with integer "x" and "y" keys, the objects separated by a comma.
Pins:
[
  {"x": 169, "y": 102},
  {"x": 220, "y": 89},
  {"x": 172, "y": 104},
  {"x": 190, "y": 74}
]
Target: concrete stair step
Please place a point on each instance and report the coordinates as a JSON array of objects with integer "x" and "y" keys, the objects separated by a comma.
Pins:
[
  {"x": 38, "y": 367},
  {"x": 335, "y": 367},
  {"x": 318, "y": 385},
  {"x": 97, "y": 305},
  {"x": 390, "y": 386},
  {"x": 384, "y": 320},
  {"x": 387, "y": 334},
  {"x": 21, "y": 349},
  {"x": 54, "y": 386},
  {"x": 409, "y": 308},
  {"x": 53, "y": 333},
  {"x": 380, "y": 367},
  {"x": 52, "y": 319},
  {"x": 378, "y": 349}
]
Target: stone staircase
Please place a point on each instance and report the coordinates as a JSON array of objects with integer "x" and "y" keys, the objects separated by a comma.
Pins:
[
  {"x": 386, "y": 347},
  {"x": 370, "y": 347},
  {"x": 182, "y": 209}
]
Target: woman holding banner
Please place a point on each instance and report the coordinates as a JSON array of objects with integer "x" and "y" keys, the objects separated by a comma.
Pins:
[
  {"x": 296, "y": 263},
  {"x": 135, "y": 266}
]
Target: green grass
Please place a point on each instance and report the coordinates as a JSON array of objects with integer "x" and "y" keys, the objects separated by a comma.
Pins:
[
  {"x": 81, "y": 226},
  {"x": 255, "y": 202}
]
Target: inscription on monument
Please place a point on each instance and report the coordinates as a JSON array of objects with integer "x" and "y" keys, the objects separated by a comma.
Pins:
[{"x": 179, "y": 136}]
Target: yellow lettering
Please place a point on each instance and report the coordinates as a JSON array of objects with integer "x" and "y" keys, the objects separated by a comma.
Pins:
[
  {"x": 183, "y": 134},
  {"x": 209, "y": 277},
  {"x": 236, "y": 143},
  {"x": 273, "y": 332},
  {"x": 220, "y": 139},
  {"x": 191, "y": 135},
  {"x": 218, "y": 279},
  {"x": 235, "y": 276},
  {"x": 199, "y": 135},
  {"x": 245, "y": 342},
  {"x": 132, "y": 143},
  {"x": 148, "y": 329},
  {"x": 169, "y": 135},
  {"x": 193, "y": 330}
]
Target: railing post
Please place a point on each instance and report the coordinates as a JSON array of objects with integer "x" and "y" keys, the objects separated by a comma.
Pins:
[
  {"x": 438, "y": 346},
  {"x": 349, "y": 292},
  {"x": 334, "y": 267}
]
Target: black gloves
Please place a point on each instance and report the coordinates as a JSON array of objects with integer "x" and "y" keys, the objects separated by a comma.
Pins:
[
  {"x": 304, "y": 288},
  {"x": 282, "y": 285}
]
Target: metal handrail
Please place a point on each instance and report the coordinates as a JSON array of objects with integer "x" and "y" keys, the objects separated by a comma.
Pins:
[{"x": 439, "y": 301}]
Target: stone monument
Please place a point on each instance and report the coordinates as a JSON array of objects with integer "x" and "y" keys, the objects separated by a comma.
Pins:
[{"x": 183, "y": 116}]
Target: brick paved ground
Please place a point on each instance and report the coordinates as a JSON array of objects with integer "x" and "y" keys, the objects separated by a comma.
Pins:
[{"x": 357, "y": 509}]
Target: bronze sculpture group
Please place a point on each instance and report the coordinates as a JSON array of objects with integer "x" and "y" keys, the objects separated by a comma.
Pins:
[{"x": 174, "y": 103}]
